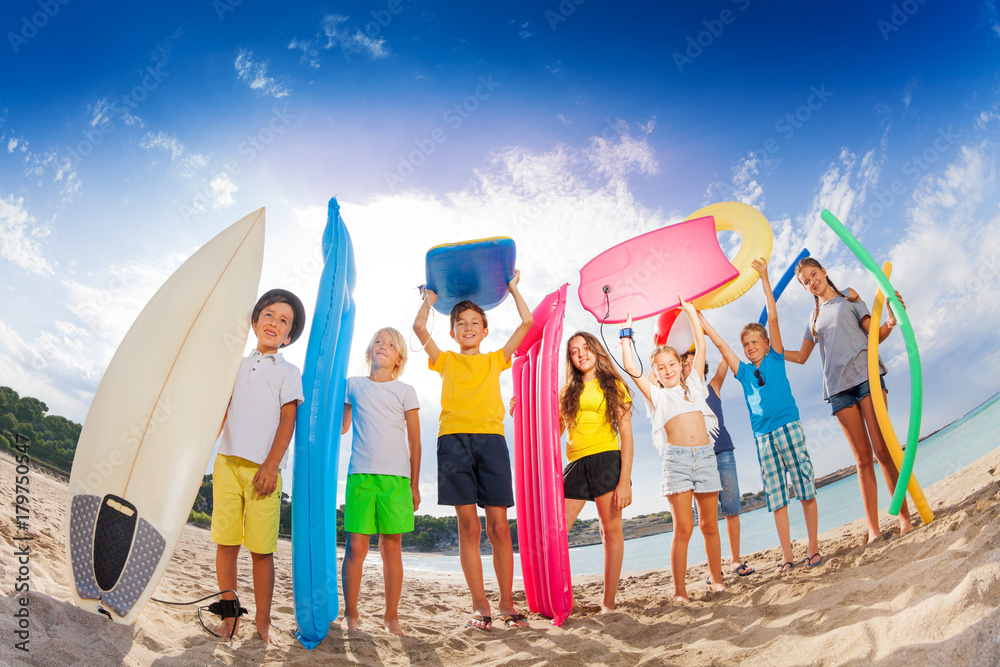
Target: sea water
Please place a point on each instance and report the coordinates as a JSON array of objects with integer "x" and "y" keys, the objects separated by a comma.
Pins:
[{"x": 938, "y": 456}]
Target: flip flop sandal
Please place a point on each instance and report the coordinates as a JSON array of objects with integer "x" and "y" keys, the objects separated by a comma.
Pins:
[
  {"x": 479, "y": 618},
  {"x": 785, "y": 567},
  {"x": 809, "y": 561},
  {"x": 512, "y": 620},
  {"x": 744, "y": 570}
]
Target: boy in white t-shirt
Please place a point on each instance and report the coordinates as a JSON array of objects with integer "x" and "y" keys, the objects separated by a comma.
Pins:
[{"x": 383, "y": 476}]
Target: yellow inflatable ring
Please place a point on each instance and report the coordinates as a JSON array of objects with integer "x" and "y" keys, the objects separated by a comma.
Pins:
[{"x": 756, "y": 240}]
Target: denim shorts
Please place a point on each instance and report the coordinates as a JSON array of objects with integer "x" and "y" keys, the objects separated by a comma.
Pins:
[
  {"x": 852, "y": 396},
  {"x": 729, "y": 497},
  {"x": 690, "y": 468}
]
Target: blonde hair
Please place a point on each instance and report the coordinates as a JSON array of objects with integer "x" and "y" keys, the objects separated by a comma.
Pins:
[
  {"x": 652, "y": 368},
  {"x": 809, "y": 261},
  {"x": 754, "y": 327},
  {"x": 398, "y": 341}
]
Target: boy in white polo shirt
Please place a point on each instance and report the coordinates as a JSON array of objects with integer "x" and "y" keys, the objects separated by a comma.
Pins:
[{"x": 246, "y": 480}]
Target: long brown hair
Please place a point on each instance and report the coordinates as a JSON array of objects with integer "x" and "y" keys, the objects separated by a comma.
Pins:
[
  {"x": 611, "y": 384},
  {"x": 809, "y": 261}
]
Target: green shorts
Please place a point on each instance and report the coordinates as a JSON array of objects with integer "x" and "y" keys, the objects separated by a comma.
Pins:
[{"x": 378, "y": 504}]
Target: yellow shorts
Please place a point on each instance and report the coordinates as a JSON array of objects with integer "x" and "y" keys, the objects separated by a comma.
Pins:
[{"x": 239, "y": 515}]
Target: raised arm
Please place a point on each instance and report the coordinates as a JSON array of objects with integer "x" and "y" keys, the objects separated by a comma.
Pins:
[
  {"x": 720, "y": 377},
  {"x": 890, "y": 323},
  {"x": 413, "y": 438},
  {"x": 420, "y": 324},
  {"x": 699, "y": 334},
  {"x": 801, "y": 355},
  {"x": 760, "y": 265},
  {"x": 641, "y": 381},
  {"x": 728, "y": 356},
  {"x": 526, "y": 319}
]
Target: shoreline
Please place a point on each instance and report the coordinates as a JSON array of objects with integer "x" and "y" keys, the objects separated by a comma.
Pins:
[{"x": 645, "y": 526}]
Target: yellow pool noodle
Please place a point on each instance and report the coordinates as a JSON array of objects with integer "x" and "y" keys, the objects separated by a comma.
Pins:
[{"x": 878, "y": 402}]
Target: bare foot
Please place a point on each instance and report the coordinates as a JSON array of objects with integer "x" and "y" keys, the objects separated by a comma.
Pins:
[
  {"x": 269, "y": 634},
  {"x": 607, "y": 608},
  {"x": 873, "y": 536},
  {"x": 683, "y": 599},
  {"x": 719, "y": 587},
  {"x": 392, "y": 625},
  {"x": 225, "y": 629},
  {"x": 905, "y": 526},
  {"x": 349, "y": 623}
]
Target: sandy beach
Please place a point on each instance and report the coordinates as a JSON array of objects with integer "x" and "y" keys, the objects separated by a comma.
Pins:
[{"x": 930, "y": 597}]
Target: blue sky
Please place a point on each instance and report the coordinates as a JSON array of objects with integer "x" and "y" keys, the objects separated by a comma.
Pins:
[{"x": 131, "y": 135}]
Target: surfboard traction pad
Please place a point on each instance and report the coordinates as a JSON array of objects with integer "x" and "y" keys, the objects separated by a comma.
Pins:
[{"x": 86, "y": 537}]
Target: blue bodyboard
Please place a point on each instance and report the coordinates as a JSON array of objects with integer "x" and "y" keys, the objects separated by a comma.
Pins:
[
  {"x": 476, "y": 271},
  {"x": 317, "y": 438}
]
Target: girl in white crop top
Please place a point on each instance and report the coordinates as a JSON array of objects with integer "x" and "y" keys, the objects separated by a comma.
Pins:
[{"x": 683, "y": 432}]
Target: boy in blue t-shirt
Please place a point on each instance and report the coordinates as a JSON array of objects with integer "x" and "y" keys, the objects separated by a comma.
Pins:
[{"x": 781, "y": 443}]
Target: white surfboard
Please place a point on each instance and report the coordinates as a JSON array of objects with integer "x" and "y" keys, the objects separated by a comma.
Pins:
[{"x": 154, "y": 420}]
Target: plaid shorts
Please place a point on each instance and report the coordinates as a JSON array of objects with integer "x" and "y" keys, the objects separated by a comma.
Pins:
[{"x": 784, "y": 462}]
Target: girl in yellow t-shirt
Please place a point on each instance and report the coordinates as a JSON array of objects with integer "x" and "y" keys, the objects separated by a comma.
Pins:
[{"x": 595, "y": 410}]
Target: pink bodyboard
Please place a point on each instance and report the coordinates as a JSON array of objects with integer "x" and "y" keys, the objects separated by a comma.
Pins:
[
  {"x": 541, "y": 513},
  {"x": 645, "y": 274}
]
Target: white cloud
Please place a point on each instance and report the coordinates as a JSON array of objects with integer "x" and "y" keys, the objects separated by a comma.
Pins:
[
  {"x": 748, "y": 189},
  {"x": 744, "y": 184},
  {"x": 953, "y": 265},
  {"x": 11, "y": 145},
  {"x": 187, "y": 165},
  {"x": 842, "y": 189},
  {"x": 310, "y": 53},
  {"x": 255, "y": 74},
  {"x": 618, "y": 159},
  {"x": 351, "y": 39},
  {"x": 30, "y": 368},
  {"x": 191, "y": 165},
  {"x": 221, "y": 190},
  {"x": 163, "y": 141},
  {"x": 107, "y": 306},
  {"x": 100, "y": 112},
  {"x": 337, "y": 32},
  {"x": 20, "y": 236}
]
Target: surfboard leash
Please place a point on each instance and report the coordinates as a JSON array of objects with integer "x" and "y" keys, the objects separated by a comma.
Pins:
[
  {"x": 223, "y": 608},
  {"x": 635, "y": 352}
]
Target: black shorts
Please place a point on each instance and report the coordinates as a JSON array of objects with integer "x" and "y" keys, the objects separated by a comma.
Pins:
[
  {"x": 474, "y": 468},
  {"x": 592, "y": 476}
]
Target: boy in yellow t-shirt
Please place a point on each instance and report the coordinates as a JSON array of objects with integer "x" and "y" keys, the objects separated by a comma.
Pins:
[{"x": 472, "y": 456}]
